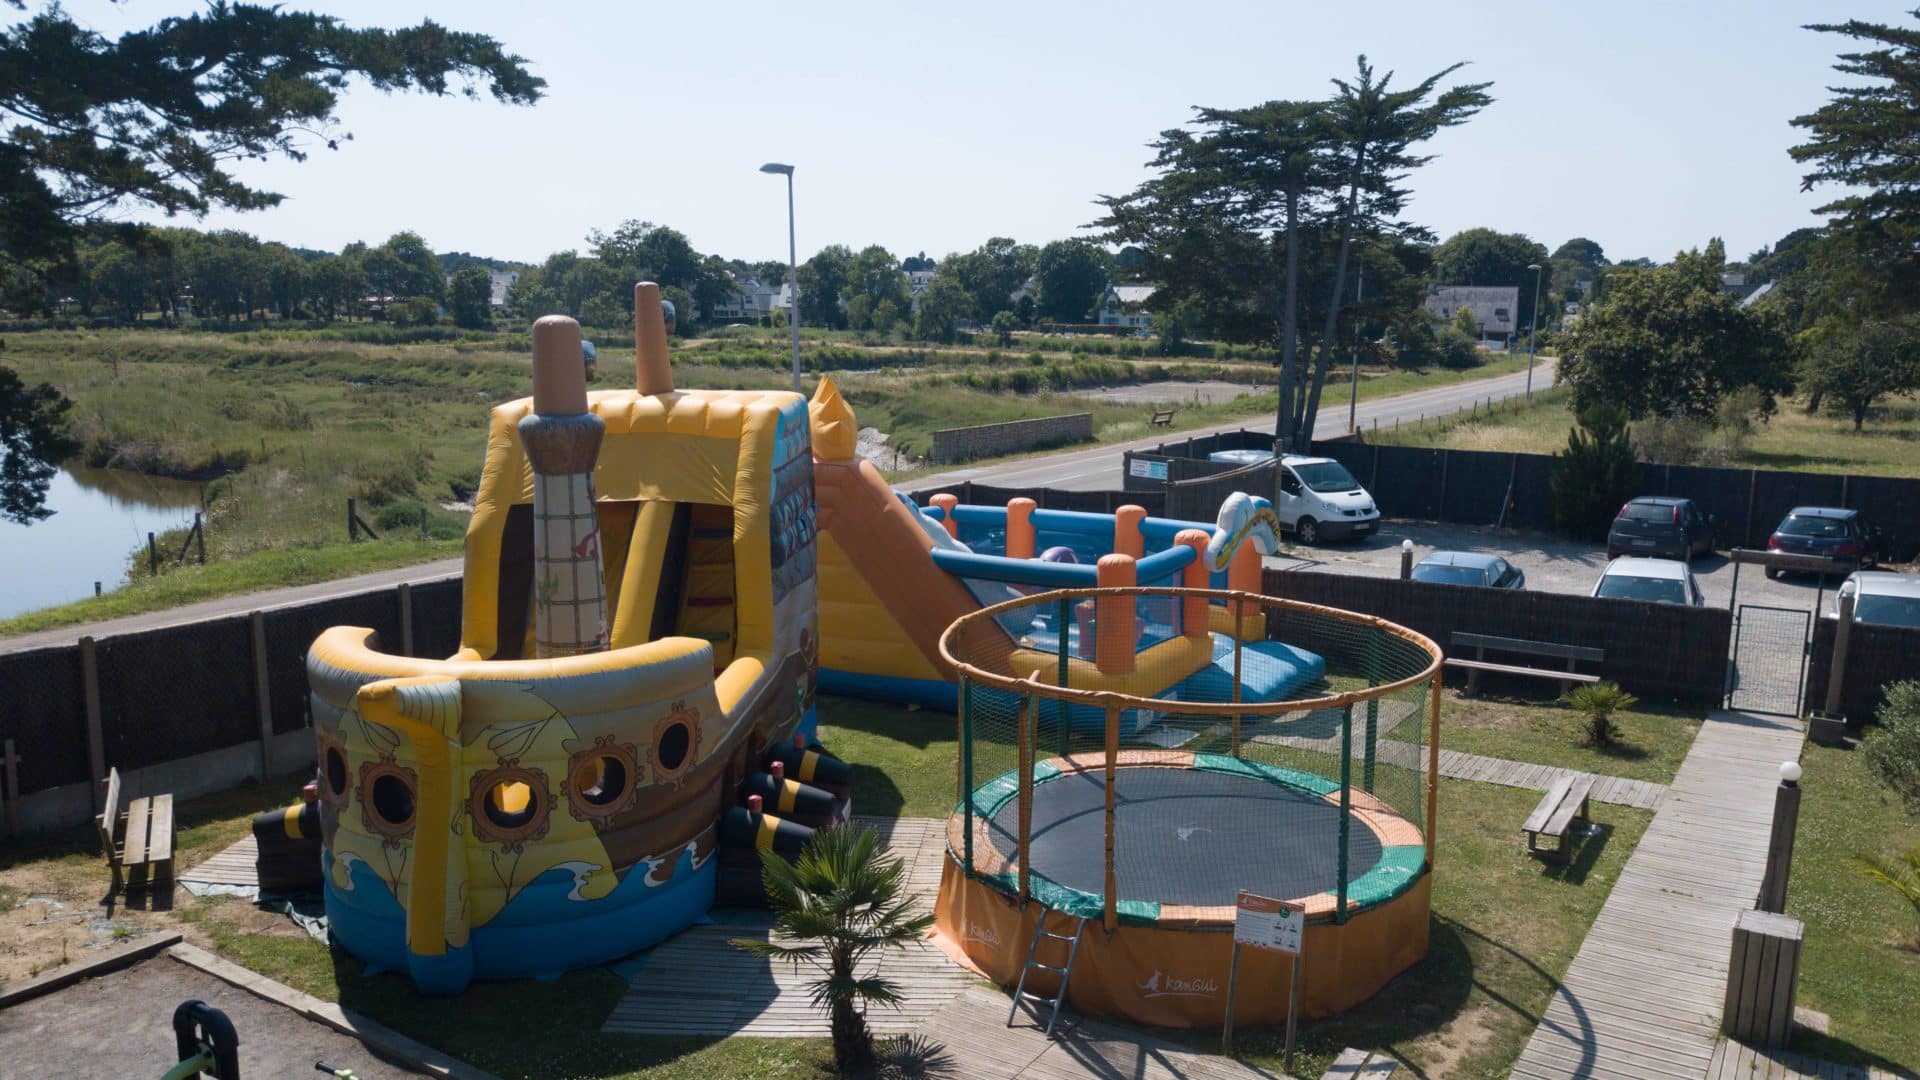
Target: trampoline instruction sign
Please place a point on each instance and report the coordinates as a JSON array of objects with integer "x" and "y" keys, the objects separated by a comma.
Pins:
[{"x": 1265, "y": 923}]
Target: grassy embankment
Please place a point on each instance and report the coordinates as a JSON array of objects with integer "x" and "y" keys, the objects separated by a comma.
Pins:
[
  {"x": 286, "y": 426},
  {"x": 1888, "y": 444}
]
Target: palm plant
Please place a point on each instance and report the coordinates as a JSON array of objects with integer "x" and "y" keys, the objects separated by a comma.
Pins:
[
  {"x": 840, "y": 902},
  {"x": 1902, "y": 875},
  {"x": 1598, "y": 702}
]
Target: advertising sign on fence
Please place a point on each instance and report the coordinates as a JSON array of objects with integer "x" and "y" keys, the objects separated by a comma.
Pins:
[
  {"x": 1149, "y": 470},
  {"x": 1266, "y": 923}
]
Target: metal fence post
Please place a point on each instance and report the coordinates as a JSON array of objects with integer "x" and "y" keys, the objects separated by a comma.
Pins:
[
  {"x": 96, "y": 740},
  {"x": 1062, "y": 711},
  {"x": 406, "y": 618},
  {"x": 257, "y": 624},
  {"x": 1346, "y": 810},
  {"x": 966, "y": 773}
]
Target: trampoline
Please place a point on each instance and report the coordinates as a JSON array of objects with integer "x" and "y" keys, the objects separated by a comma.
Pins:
[
  {"x": 1324, "y": 798},
  {"x": 1191, "y": 831}
]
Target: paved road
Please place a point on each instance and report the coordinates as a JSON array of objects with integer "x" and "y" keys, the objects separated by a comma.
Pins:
[
  {"x": 1098, "y": 468},
  {"x": 1090, "y": 469}
]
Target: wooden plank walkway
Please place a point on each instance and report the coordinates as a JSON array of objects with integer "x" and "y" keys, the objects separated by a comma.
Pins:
[
  {"x": 1642, "y": 997},
  {"x": 234, "y": 865},
  {"x": 969, "y": 1040},
  {"x": 1738, "y": 1061},
  {"x": 698, "y": 983}
]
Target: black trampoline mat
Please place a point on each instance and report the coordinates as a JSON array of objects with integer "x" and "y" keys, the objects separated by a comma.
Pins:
[{"x": 1185, "y": 836}]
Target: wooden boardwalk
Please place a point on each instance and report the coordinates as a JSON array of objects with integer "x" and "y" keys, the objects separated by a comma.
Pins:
[
  {"x": 1642, "y": 998},
  {"x": 699, "y": 983},
  {"x": 970, "y": 1040},
  {"x": 1737, "y": 1061}
]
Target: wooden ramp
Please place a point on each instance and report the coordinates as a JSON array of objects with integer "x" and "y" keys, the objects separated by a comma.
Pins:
[
  {"x": 699, "y": 983},
  {"x": 1642, "y": 998},
  {"x": 233, "y": 865},
  {"x": 970, "y": 1040}
]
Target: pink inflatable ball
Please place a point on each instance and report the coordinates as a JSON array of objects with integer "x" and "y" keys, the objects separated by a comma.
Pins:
[{"x": 1059, "y": 555}]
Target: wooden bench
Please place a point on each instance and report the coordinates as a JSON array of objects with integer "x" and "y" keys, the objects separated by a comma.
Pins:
[
  {"x": 1360, "y": 1065},
  {"x": 1480, "y": 643},
  {"x": 1163, "y": 417},
  {"x": 1561, "y": 808},
  {"x": 139, "y": 838}
]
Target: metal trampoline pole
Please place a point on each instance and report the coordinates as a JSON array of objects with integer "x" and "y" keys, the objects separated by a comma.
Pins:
[
  {"x": 1024, "y": 756},
  {"x": 966, "y": 773},
  {"x": 1239, "y": 613},
  {"x": 1433, "y": 762},
  {"x": 1110, "y": 915},
  {"x": 1061, "y": 710},
  {"x": 1373, "y": 709},
  {"x": 1346, "y": 810}
]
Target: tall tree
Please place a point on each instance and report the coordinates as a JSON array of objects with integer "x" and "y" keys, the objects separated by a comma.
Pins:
[
  {"x": 1866, "y": 140},
  {"x": 470, "y": 296},
  {"x": 1670, "y": 342},
  {"x": 415, "y": 269},
  {"x": 1850, "y": 365},
  {"x": 1071, "y": 275},
  {"x": 33, "y": 435},
  {"x": 876, "y": 289},
  {"x": 156, "y": 116},
  {"x": 989, "y": 275},
  {"x": 823, "y": 279}
]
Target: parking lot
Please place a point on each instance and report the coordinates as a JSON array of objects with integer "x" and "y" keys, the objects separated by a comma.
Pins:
[{"x": 1550, "y": 563}]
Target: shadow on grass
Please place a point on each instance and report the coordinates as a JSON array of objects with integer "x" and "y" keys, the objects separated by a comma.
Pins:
[
  {"x": 1592, "y": 845},
  {"x": 1827, "y": 1048}
]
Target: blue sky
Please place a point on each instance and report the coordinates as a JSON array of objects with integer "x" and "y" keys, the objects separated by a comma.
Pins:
[{"x": 1646, "y": 126}]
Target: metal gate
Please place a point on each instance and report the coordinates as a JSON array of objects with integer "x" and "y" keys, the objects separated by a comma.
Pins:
[{"x": 1768, "y": 670}]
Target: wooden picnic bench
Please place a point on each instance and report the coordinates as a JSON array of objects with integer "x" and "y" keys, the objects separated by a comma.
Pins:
[
  {"x": 1163, "y": 417},
  {"x": 1480, "y": 643},
  {"x": 1361, "y": 1065},
  {"x": 139, "y": 838},
  {"x": 1561, "y": 808}
]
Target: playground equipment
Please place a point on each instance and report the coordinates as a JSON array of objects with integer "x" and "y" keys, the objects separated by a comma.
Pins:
[
  {"x": 638, "y": 637},
  {"x": 894, "y": 576},
  {"x": 1148, "y": 830}
]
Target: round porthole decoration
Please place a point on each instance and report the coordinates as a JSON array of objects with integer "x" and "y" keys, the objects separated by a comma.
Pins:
[
  {"x": 603, "y": 780},
  {"x": 388, "y": 799},
  {"x": 336, "y": 779},
  {"x": 676, "y": 742},
  {"x": 509, "y": 805}
]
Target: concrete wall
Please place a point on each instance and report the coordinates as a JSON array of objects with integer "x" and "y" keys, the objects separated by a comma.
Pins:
[{"x": 986, "y": 440}]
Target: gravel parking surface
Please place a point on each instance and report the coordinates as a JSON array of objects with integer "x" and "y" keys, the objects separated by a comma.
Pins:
[{"x": 1550, "y": 563}]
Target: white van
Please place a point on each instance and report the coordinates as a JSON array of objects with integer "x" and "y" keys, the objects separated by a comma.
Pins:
[{"x": 1320, "y": 500}]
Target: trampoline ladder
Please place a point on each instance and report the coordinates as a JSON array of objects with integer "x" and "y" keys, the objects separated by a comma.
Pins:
[{"x": 1065, "y": 973}]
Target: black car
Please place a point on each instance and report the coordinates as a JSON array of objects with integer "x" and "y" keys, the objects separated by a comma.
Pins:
[
  {"x": 1662, "y": 526},
  {"x": 1826, "y": 530}
]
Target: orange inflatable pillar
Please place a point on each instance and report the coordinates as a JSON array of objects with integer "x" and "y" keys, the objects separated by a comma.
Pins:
[
  {"x": 1243, "y": 573},
  {"x": 1113, "y": 619},
  {"x": 1193, "y": 609},
  {"x": 1020, "y": 528},
  {"x": 946, "y": 503},
  {"x": 1127, "y": 538}
]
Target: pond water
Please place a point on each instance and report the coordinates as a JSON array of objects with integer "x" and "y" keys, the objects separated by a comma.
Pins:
[{"x": 100, "y": 517}]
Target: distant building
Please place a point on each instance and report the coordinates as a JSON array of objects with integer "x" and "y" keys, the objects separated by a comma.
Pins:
[
  {"x": 1126, "y": 305},
  {"x": 918, "y": 281},
  {"x": 499, "y": 281},
  {"x": 1753, "y": 297},
  {"x": 1734, "y": 284},
  {"x": 1495, "y": 307}
]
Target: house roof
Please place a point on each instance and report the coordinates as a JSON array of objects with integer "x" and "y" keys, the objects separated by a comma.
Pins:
[{"x": 1131, "y": 294}]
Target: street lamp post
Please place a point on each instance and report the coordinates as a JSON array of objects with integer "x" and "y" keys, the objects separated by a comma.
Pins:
[
  {"x": 1533, "y": 327},
  {"x": 793, "y": 270}
]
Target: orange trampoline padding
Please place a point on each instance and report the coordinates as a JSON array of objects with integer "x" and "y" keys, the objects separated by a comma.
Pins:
[{"x": 1178, "y": 978}]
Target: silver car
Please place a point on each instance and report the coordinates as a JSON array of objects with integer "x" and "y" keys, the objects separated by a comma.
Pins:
[{"x": 1881, "y": 597}]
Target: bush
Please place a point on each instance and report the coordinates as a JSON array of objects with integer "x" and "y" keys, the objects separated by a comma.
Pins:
[
  {"x": 1458, "y": 350},
  {"x": 402, "y": 515},
  {"x": 414, "y": 311},
  {"x": 1593, "y": 475},
  {"x": 1598, "y": 702},
  {"x": 1893, "y": 752}
]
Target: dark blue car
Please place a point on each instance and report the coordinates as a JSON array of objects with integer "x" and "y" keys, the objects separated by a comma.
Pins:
[{"x": 1829, "y": 531}]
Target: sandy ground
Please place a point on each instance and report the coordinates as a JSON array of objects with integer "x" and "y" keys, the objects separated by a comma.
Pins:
[
  {"x": 1207, "y": 392},
  {"x": 121, "y": 1024}
]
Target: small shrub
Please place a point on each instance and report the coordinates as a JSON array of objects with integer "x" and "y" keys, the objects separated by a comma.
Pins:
[
  {"x": 1598, "y": 702},
  {"x": 399, "y": 516},
  {"x": 1893, "y": 752}
]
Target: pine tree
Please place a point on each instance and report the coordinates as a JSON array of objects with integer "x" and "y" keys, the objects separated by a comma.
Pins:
[{"x": 1593, "y": 475}]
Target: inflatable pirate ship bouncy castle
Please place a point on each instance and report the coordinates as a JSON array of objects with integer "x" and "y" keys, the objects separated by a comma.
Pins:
[{"x": 639, "y": 645}]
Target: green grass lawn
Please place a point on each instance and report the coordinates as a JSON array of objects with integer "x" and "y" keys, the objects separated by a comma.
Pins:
[
  {"x": 1888, "y": 444},
  {"x": 1650, "y": 743},
  {"x": 1853, "y": 966}
]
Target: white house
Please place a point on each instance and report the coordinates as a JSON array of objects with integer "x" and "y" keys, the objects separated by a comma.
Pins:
[
  {"x": 1494, "y": 307},
  {"x": 500, "y": 281},
  {"x": 1126, "y": 305}
]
